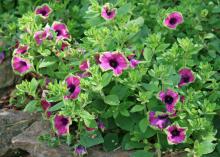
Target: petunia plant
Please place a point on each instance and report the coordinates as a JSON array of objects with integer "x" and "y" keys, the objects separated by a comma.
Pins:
[{"x": 135, "y": 75}]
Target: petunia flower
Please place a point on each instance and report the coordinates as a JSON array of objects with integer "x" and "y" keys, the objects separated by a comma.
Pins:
[
  {"x": 170, "y": 98},
  {"x": 113, "y": 61},
  {"x": 107, "y": 13},
  {"x": 175, "y": 134},
  {"x": 84, "y": 65},
  {"x": 61, "y": 30},
  {"x": 80, "y": 151},
  {"x": 61, "y": 124},
  {"x": 22, "y": 49},
  {"x": 90, "y": 129},
  {"x": 2, "y": 56},
  {"x": 73, "y": 85},
  {"x": 173, "y": 20},
  {"x": 44, "y": 11},
  {"x": 159, "y": 121},
  {"x": 21, "y": 65},
  {"x": 133, "y": 61},
  {"x": 186, "y": 77}
]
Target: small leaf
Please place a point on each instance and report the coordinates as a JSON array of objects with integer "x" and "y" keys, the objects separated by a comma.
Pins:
[
  {"x": 106, "y": 78},
  {"x": 112, "y": 100},
  {"x": 56, "y": 107},
  {"x": 137, "y": 108},
  {"x": 31, "y": 106},
  {"x": 111, "y": 142}
]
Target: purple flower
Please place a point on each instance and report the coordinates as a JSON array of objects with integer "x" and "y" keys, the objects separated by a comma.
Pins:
[
  {"x": 2, "y": 56},
  {"x": 173, "y": 20},
  {"x": 186, "y": 77},
  {"x": 170, "y": 98},
  {"x": 133, "y": 61},
  {"x": 84, "y": 65},
  {"x": 113, "y": 61},
  {"x": 62, "y": 124},
  {"x": 107, "y": 13},
  {"x": 22, "y": 49},
  {"x": 175, "y": 134},
  {"x": 73, "y": 85},
  {"x": 61, "y": 30},
  {"x": 20, "y": 65},
  {"x": 159, "y": 121},
  {"x": 80, "y": 151},
  {"x": 44, "y": 11}
]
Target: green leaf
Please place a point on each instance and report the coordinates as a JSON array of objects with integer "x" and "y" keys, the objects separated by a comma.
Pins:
[
  {"x": 120, "y": 90},
  {"x": 106, "y": 79},
  {"x": 124, "y": 9},
  {"x": 89, "y": 139},
  {"x": 142, "y": 153},
  {"x": 112, "y": 100},
  {"x": 46, "y": 63},
  {"x": 204, "y": 147},
  {"x": 137, "y": 108},
  {"x": 31, "y": 106},
  {"x": 125, "y": 123},
  {"x": 91, "y": 123},
  {"x": 56, "y": 107},
  {"x": 111, "y": 142},
  {"x": 148, "y": 54},
  {"x": 143, "y": 124}
]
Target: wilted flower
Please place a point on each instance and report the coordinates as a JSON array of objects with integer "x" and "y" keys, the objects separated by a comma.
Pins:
[
  {"x": 113, "y": 61},
  {"x": 64, "y": 45},
  {"x": 22, "y": 49},
  {"x": 84, "y": 74},
  {"x": 175, "y": 134},
  {"x": 186, "y": 77},
  {"x": 62, "y": 124},
  {"x": 80, "y": 151},
  {"x": 84, "y": 65},
  {"x": 61, "y": 30},
  {"x": 46, "y": 105},
  {"x": 73, "y": 85},
  {"x": 170, "y": 98},
  {"x": 107, "y": 13},
  {"x": 100, "y": 124},
  {"x": 173, "y": 20},
  {"x": 182, "y": 99},
  {"x": 160, "y": 121},
  {"x": 97, "y": 56},
  {"x": 21, "y": 65},
  {"x": 2, "y": 56},
  {"x": 133, "y": 61},
  {"x": 44, "y": 11},
  {"x": 40, "y": 36}
]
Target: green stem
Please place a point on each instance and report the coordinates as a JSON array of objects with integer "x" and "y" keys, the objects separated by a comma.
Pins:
[{"x": 158, "y": 148}]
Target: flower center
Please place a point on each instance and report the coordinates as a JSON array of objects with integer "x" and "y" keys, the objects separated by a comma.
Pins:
[
  {"x": 43, "y": 12},
  {"x": 168, "y": 99},
  {"x": 185, "y": 79},
  {"x": 162, "y": 116},
  {"x": 58, "y": 32},
  {"x": 113, "y": 63},
  {"x": 175, "y": 133},
  {"x": 72, "y": 88},
  {"x": 64, "y": 121},
  {"x": 23, "y": 63},
  {"x": 108, "y": 12},
  {"x": 173, "y": 21}
]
